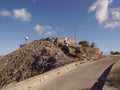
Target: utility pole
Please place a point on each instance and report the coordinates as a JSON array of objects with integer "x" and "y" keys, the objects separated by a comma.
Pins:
[{"x": 75, "y": 35}]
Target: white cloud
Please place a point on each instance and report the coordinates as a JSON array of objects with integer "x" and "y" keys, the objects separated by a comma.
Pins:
[
  {"x": 106, "y": 16},
  {"x": 101, "y": 8},
  {"x": 50, "y": 33},
  {"x": 116, "y": 13},
  {"x": 21, "y": 14},
  {"x": 46, "y": 30},
  {"x": 112, "y": 24},
  {"x": 5, "y": 13},
  {"x": 93, "y": 7},
  {"x": 39, "y": 29}
]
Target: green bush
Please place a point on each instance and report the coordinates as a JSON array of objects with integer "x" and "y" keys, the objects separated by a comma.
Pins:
[
  {"x": 84, "y": 43},
  {"x": 48, "y": 39}
]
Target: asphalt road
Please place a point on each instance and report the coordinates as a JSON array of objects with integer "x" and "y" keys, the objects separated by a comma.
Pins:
[{"x": 89, "y": 76}]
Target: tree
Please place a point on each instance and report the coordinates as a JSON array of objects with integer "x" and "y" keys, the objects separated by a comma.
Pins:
[
  {"x": 111, "y": 52},
  {"x": 115, "y": 53},
  {"x": 48, "y": 39},
  {"x": 84, "y": 43},
  {"x": 92, "y": 45}
]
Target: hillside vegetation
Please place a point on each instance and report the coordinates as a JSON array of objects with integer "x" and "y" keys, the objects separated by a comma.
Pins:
[{"x": 38, "y": 57}]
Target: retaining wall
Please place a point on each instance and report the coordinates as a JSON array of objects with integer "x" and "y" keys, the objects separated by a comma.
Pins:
[{"x": 37, "y": 80}]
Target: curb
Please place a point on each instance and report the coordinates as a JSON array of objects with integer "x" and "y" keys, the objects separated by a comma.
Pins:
[{"x": 28, "y": 83}]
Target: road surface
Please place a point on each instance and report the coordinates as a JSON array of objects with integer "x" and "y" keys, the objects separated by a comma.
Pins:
[{"x": 89, "y": 76}]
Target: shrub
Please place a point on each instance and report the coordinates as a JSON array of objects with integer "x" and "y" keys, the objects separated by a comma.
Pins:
[
  {"x": 84, "y": 43},
  {"x": 48, "y": 39},
  {"x": 92, "y": 45}
]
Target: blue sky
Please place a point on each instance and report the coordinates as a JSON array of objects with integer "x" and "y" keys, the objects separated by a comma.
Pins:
[{"x": 94, "y": 20}]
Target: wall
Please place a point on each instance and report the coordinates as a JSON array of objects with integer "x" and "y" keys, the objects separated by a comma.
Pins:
[{"x": 36, "y": 80}]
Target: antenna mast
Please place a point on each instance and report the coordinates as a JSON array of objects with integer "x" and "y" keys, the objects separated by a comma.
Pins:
[{"x": 75, "y": 35}]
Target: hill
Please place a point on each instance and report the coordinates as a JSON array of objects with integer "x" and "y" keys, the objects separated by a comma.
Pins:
[{"x": 41, "y": 56}]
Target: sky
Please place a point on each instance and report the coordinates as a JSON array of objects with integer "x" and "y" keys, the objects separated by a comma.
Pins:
[{"x": 97, "y": 21}]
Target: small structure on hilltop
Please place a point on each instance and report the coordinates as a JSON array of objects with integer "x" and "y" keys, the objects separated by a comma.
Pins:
[
  {"x": 26, "y": 42},
  {"x": 26, "y": 39}
]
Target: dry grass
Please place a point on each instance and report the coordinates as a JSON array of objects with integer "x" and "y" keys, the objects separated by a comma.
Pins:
[{"x": 114, "y": 78}]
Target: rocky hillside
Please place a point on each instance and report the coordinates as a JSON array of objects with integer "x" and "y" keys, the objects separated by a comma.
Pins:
[{"x": 38, "y": 57}]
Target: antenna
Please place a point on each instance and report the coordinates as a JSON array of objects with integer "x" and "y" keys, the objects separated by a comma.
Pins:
[
  {"x": 75, "y": 34},
  {"x": 26, "y": 39}
]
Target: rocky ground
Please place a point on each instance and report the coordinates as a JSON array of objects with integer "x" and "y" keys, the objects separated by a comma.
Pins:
[
  {"x": 38, "y": 57},
  {"x": 113, "y": 79}
]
